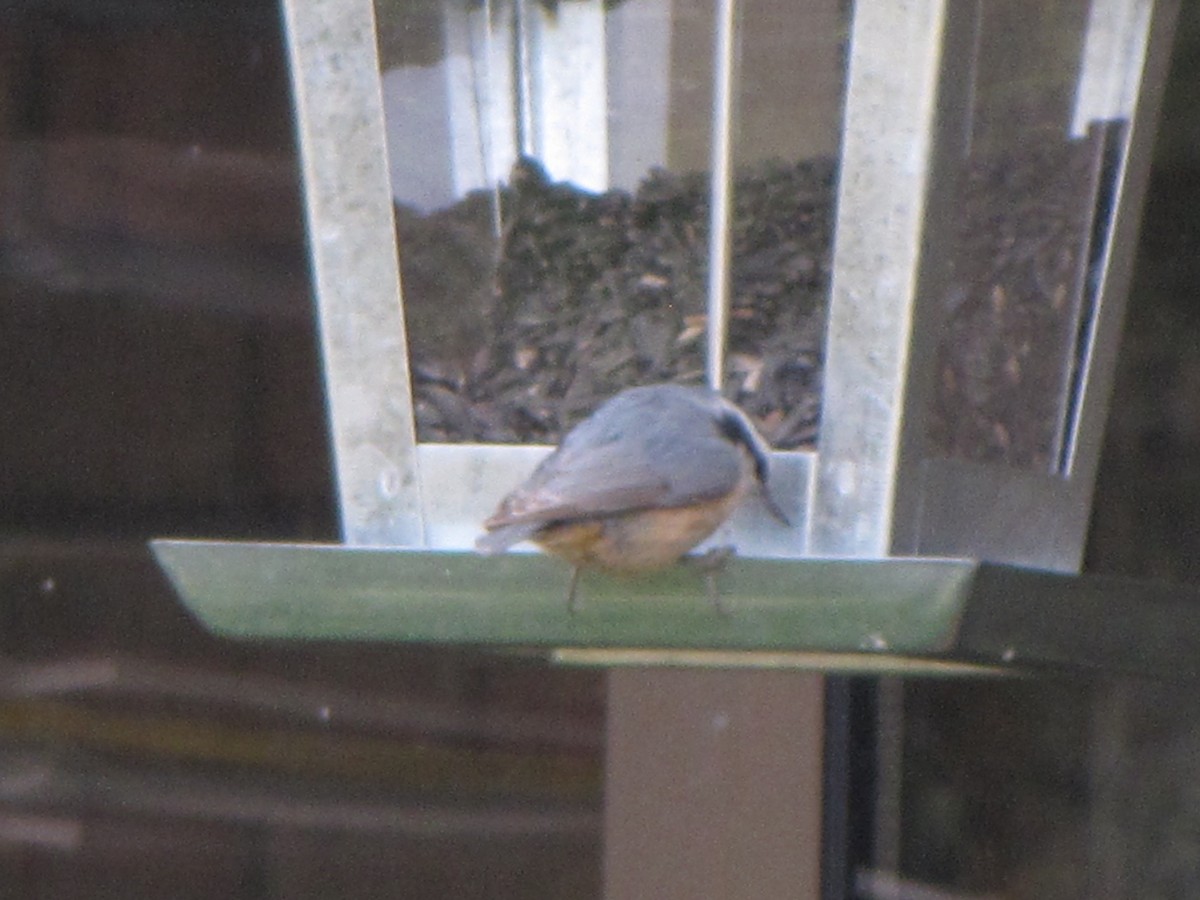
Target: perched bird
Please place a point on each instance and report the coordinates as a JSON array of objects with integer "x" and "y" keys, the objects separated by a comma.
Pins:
[{"x": 639, "y": 483}]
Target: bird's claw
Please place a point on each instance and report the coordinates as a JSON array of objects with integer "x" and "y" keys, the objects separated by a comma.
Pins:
[
  {"x": 710, "y": 564},
  {"x": 573, "y": 592}
]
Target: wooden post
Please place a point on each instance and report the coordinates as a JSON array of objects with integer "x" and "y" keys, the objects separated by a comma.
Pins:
[{"x": 713, "y": 784}]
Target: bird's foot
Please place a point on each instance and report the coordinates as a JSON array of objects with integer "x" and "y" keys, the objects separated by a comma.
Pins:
[
  {"x": 573, "y": 592},
  {"x": 710, "y": 564}
]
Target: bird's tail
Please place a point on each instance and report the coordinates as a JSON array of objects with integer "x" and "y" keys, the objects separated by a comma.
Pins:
[{"x": 500, "y": 539}]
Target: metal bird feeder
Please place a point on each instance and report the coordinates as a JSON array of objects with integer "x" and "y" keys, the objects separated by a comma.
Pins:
[{"x": 899, "y": 234}]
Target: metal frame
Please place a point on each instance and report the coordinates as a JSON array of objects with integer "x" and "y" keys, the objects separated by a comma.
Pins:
[
  {"x": 873, "y": 491},
  {"x": 876, "y": 491},
  {"x": 886, "y": 144},
  {"x": 1033, "y": 518},
  {"x": 879, "y": 490},
  {"x": 356, "y": 274},
  {"x": 393, "y": 492}
]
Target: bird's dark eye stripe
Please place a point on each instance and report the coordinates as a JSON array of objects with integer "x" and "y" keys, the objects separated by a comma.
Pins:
[{"x": 735, "y": 429}]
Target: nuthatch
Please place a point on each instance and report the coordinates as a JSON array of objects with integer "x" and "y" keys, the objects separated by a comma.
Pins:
[{"x": 639, "y": 483}]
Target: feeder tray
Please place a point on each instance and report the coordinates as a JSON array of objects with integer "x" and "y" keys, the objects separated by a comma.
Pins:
[{"x": 909, "y": 616}]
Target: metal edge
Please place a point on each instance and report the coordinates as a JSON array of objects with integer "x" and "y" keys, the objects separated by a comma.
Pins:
[
  {"x": 846, "y": 663},
  {"x": 339, "y": 124},
  {"x": 887, "y": 131},
  {"x": 1122, "y": 245}
]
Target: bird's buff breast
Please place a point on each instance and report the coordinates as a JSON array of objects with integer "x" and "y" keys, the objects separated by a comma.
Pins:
[{"x": 638, "y": 541}]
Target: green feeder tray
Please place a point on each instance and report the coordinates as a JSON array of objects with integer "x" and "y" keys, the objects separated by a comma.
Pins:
[{"x": 897, "y": 615}]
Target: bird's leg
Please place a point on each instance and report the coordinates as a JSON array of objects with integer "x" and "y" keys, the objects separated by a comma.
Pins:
[
  {"x": 711, "y": 563},
  {"x": 572, "y": 592}
]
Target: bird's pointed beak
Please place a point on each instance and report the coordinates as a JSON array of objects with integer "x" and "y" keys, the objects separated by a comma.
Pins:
[{"x": 772, "y": 507}]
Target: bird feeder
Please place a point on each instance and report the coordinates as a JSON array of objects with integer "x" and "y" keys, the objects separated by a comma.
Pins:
[{"x": 899, "y": 235}]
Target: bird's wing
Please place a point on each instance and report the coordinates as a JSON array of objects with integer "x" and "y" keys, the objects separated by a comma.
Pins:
[{"x": 594, "y": 479}]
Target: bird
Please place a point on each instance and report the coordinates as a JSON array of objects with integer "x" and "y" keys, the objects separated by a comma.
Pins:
[{"x": 632, "y": 488}]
